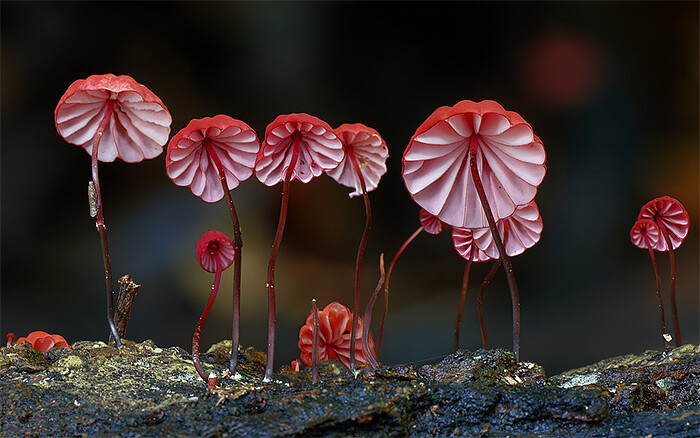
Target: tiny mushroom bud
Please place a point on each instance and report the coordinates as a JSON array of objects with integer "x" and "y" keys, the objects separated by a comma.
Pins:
[
  {"x": 111, "y": 117},
  {"x": 215, "y": 253}
]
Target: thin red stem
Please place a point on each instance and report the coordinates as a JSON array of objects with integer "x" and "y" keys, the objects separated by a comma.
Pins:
[
  {"x": 386, "y": 285},
  {"x": 360, "y": 257},
  {"x": 672, "y": 258},
  {"x": 368, "y": 316},
  {"x": 314, "y": 351},
  {"x": 273, "y": 258},
  {"x": 462, "y": 298},
  {"x": 480, "y": 301},
  {"x": 100, "y": 222},
  {"x": 200, "y": 324},
  {"x": 238, "y": 248},
  {"x": 658, "y": 294},
  {"x": 508, "y": 267}
]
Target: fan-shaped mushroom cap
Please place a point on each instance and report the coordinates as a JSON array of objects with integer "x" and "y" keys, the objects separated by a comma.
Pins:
[
  {"x": 212, "y": 245},
  {"x": 510, "y": 159},
  {"x": 320, "y": 149},
  {"x": 188, "y": 163},
  {"x": 463, "y": 240},
  {"x": 335, "y": 325},
  {"x": 524, "y": 231},
  {"x": 645, "y": 234},
  {"x": 672, "y": 215},
  {"x": 431, "y": 224},
  {"x": 370, "y": 152},
  {"x": 139, "y": 126}
]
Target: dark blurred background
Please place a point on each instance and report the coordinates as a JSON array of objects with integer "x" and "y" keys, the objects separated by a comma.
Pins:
[{"x": 610, "y": 88}]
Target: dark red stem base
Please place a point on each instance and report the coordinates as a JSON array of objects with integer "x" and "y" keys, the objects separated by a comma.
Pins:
[
  {"x": 462, "y": 298},
  {"x": 314, "y": 351},
  {"x": 672, "y": 258},
  {"x": 238, "y": 248},
  {"x": 273, "y": 259},
  {"x": 360, "y": 257},
  {"x": 368, "y": 316},
  {"x": 480, "y": 302},
  {"x": 658, "y": 294},
  {"x": 202, "y": 319},
  {"x": 515, "y": 298},
  {"x": 100, "y": 222}
]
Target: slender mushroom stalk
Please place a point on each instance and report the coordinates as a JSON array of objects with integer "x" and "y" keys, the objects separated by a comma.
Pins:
[
  {"x": 431, "y": 225},
  {"x": 366, "y": 347},
  {"x": 213, "y": 156},
  {"x": 215, "y": 253},
  {"x": 364, "y": 145},
  {"x": 518, "y": 232},
  {"x": 314, "y": 354},
  {"x": 646, "y": 234},
  {"x": 480, "y": 302},
  {"x": 472, "y": 165},
  {"x": 673, "y": 223},
  {"x": 296, "y": 146},
  {"x": 111, "y": 117},
  {"x": 464, "y": 243}
]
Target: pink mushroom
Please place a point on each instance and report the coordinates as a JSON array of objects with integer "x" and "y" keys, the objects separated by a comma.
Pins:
[
  {"x": 518, "y": 232},
  {"x": 471, "y": 165},
  {"x": 111, "y": 117},
  {"x": 335, "y": 324},
  {"x": 363, "y": 164},
  {"x": 215, "y": 253},
  {"x": 212, "y": 156},
  {"x": 673, "y": 222},
  {"x": 646, "y": 235},
  {"x": 296, "y": 146}
]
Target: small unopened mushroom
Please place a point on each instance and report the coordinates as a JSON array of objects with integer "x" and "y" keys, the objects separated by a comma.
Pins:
[
  {"x": 363, "y": 164},
  {"x": 111, "y": 117},
  {"x": 42, "y": 341},
  {"x": 335, "y": 324},
  {"x": 645, "y": 234},
  {"x": 296, "y": 146},
  {"x": 673, "y": 222},
  {"x": 212, "y": 156},
  {"x": 215, "y": 253}
]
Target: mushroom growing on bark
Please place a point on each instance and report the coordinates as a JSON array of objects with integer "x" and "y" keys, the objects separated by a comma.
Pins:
[
  {"x": 296, "y": 146},
  {"x": 212, "y": 156},
  {"x": 472, "y": 165},
  {"x": 363, "y": 164},
  {"x": 645, "y": 234},
  {"x": 215, "y": 253},
  {"x": 42, "y": 341},
  {"x": 673, "y": 222},
  {"x": 335, "y": 324},
  {"x": 111, "y": 117}
]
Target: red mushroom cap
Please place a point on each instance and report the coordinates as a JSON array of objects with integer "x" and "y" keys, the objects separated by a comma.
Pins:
[
  {"x": 187, "y": 162},
  {"x": 431, "y": 224},
  {"x": 524, "y": 230},
  {"x": 320, "y": 149},
  {"x": 139, "y": 126},
  {"x": 510, "y": 159},
  {"x": 645, "y": 234},
  {"x": 212, "y": 245},
  {"x": 335, "y": 325},
  {"x": 370, "y": 152},
  {"x": 668, "y": 213}
]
